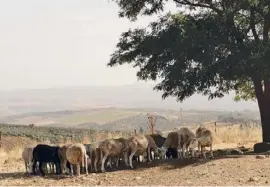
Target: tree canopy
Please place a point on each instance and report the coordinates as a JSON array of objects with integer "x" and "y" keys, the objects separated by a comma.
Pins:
[{"x": 218, "y": 46}]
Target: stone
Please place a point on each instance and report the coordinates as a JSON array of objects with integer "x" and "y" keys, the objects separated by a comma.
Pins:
[
  {"x": 236, "y": 152},
  {"x": 260, "y": 157},
  {"x": 261, "y": 147},
  {"x": 253, "y": 179}
]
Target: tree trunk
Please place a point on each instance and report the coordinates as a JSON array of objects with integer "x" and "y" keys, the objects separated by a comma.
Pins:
[
  {"x": 263, "y": 98},
  {"x": 266, "y": 112}
]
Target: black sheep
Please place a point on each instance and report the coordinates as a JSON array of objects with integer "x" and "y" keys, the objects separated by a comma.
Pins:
[
  {"x": 44, "y": 154},
  {"x": 171, "y": 153}
]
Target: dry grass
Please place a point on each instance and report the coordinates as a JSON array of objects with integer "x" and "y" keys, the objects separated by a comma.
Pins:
[{"x": 232, "y": 134}]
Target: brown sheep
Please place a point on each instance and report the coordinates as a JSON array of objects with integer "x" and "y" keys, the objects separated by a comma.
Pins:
[
  {"x": 113, "y": 147},
  {"x": 76, "y": 155},
  {"x": 139, "y": 145},
  {"x": 63, "y": 158},
  {"x": 205, "y": 139},
  {"x": 27, "y": 156},
  {"x": 187, "y": 140}
]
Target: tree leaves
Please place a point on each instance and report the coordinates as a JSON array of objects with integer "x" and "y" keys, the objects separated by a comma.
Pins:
[{"x": 210, "y": 52}]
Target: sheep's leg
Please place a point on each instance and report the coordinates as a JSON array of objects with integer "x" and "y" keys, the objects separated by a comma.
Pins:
[
  {"x": 34, "y": 167},
  {"x": 64, "y": 166},
  {"x": 109, "y": 163},
  {"x": 41, "y": 169},
  {"x": 149, "y": 154},
  {"x": 71, "y": 169},
  {"x": 203, "y": 151},
  {"x": 201, "y": 147},
  {"x": 117, "y": 162},
  {"x": 103, "y": 162},
  {"x": 86, "y": 164},
  {"x": 95, "y": 164},
  {"x": 57, "y": 168},
  {"x": 130, "y": 158},
  {"x": 126, "y": 158},
  {"x": 211, "y": 151},
  {"x": 54, "y": 168},
  {"x": 192, "y": 152},
  {"x": 78, "y": 169},
  {"x": 26, "y": 167}
]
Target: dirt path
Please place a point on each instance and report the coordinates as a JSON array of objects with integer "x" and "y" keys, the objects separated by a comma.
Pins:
[{"x": 231, "y": 170}]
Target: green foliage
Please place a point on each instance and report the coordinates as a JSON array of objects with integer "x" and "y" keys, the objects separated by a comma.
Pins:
[
  {"x": 245, "y": 91},
  {"x": 210, "y": 51},
  {"x": 55, "y": 135}
]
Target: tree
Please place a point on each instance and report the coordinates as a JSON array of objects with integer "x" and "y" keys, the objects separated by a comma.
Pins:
[{"x": 215, "y": 47}]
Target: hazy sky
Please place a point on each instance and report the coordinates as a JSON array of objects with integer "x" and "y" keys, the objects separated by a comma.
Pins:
[{"x": 51, "y": 43}]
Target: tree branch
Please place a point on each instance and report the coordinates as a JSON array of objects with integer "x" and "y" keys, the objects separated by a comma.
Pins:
[
  {"x": 252, "y": 24},
  {"x": 266, "y": 25},
  {"x": 210, "y": 5}
]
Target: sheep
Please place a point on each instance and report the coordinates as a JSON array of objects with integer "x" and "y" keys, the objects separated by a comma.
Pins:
[
  {"x": 139, "y": 144},
  {"x": 44, "y": 154},
  {"x": 76, "y": 155},
  {"x": 113, "y": 147},
  {"x": 187, "y": 139},
  {"x": 205, "y": 139},
  {"x": 63, "y": 158},
  {"x": 27, "y": 156},
  {"x": 172, "y": 141},
  {"x": 151, "y": 147},
  {"x": 159, "y": 141},
  {"x": 94, "y": 155}
]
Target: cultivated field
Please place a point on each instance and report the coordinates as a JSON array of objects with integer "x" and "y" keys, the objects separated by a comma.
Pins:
[{"x": 228, "y": 169}]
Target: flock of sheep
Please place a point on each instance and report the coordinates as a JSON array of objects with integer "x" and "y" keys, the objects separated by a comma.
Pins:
[{"x": 87, "y": 157}]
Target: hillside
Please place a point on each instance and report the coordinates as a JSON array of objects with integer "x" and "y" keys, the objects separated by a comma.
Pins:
[{"x": 128, "y": 119}]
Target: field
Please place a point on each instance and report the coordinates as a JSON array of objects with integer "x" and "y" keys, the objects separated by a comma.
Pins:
[{"x": 223, "y": 170}]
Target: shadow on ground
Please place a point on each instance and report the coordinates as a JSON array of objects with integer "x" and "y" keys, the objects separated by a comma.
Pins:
[{"x": 164, "y": 164}]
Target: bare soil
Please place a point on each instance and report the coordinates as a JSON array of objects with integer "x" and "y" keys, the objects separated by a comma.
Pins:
[{"x": 227, "y": 170}]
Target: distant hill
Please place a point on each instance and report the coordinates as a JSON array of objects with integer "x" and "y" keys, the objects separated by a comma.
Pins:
[
  {"x": 139, "y": 95},
  {"x": 137, "y": 122}
]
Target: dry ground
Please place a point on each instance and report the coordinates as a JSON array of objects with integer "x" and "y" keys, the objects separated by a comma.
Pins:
[{"x": 229, "y": 170}]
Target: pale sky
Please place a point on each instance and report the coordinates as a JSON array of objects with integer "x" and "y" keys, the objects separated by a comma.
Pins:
[{"x": 52, "y": 43}]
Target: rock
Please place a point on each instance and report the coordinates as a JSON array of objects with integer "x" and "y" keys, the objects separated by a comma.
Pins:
[
  {"x": 261, "y": 147},
  {"x": 266, "y": 182},
  {"x": 260, "y": 156},
  {"x": 236, "y": 152},
  {"x": 138, "y": 178},
  {"x": 253, "y": 179},
  {"x": 99, "y": 183},
  {"x": 240, "y": 180}
]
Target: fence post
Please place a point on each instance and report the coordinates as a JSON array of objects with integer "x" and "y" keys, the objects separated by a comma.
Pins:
[
  {"x": 135, "y": 132},
  {"x": 215, "y": 127}
]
